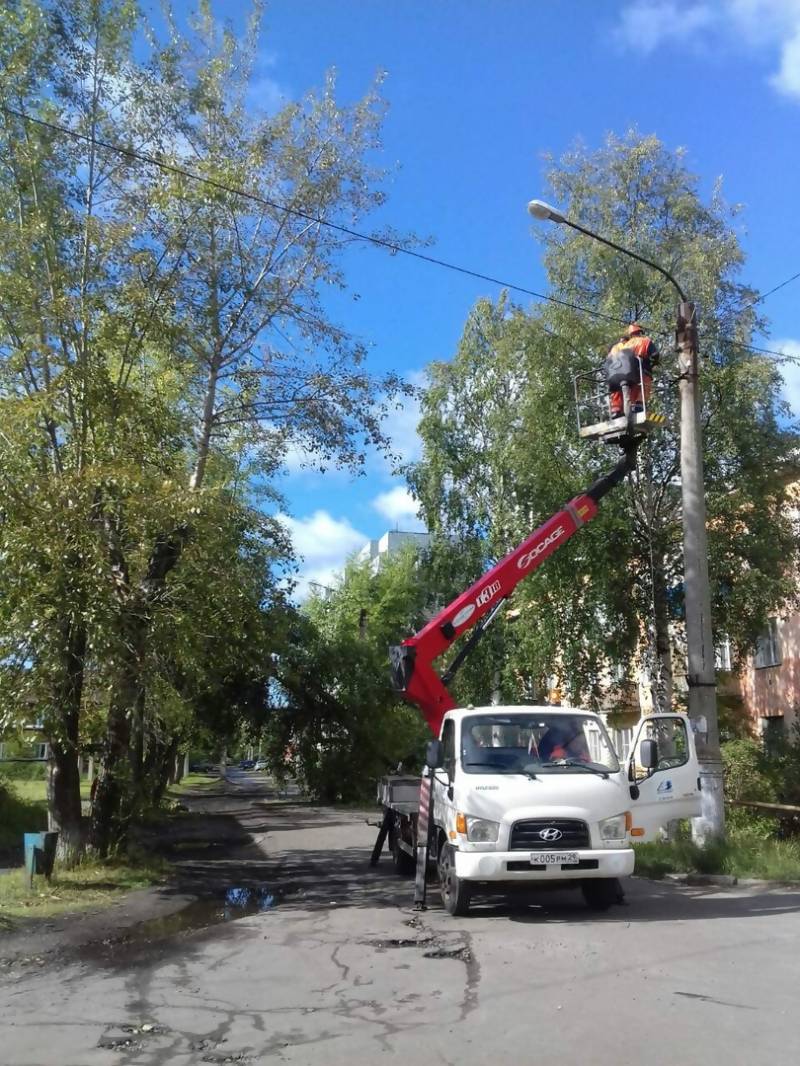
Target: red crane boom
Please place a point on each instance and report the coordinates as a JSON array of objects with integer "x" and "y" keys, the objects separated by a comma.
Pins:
[{"x": 412, "y": 661}]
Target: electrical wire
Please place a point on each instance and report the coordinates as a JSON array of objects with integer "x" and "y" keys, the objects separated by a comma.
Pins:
[
  {"x": 769, "y": 292},
  {"x": 381, "y": 242}
]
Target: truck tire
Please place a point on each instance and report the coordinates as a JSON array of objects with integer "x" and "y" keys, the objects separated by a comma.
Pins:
[
  {"x": 602, "y": 892},
  {"x": 401, "y": 860},
  {"x": 456, "y": 894}
]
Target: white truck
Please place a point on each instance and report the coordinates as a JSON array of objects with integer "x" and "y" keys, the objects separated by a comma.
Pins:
[
  {"x": 536, "y": 796},
  {"x": 500, "y": 801}
]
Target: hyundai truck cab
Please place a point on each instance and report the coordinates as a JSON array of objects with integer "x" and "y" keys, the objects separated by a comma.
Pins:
[{"x": 538, "y": 795}]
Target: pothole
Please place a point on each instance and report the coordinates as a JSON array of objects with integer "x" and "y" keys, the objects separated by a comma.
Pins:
[
  {"x": 228, "y": 905},
  {"x": 401, "y": 942},
  {"x": 461, "y": 953},
  {"x": 129, "y": 1037},
  {"x": 236, "y": 901},
  {"x": 240, "y": 1056}
]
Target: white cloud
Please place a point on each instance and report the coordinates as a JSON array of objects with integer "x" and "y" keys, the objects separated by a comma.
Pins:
[
  {"x": 399, "y": 507},
  {"x": 265, "y": 94},
  {"x": 323, "y": 544},
  {"x": 771, "y": 26},
  {"x": 790, "y": 373},
  {"x": 787, "y": 80},
  {"x": 646, "y": 24}
]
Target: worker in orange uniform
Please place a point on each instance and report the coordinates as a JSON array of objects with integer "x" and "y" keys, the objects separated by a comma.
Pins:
[{"x": 633, "y": 343}]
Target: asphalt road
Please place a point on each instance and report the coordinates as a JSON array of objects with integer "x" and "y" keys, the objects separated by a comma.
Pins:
[{"x": 337, "y": 969}]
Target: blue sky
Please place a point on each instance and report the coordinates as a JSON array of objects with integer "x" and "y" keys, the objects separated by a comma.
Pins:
[{"x": 477, "y": 91}]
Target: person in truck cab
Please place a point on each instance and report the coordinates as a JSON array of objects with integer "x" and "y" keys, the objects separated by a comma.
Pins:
[
  {"x": 564, "y": 740},
  {"x": 634, "y": 343}
]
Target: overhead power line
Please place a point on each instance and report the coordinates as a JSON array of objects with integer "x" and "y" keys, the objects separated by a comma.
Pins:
[
  {"x": 381, "y": 242},
  {"x": 769, "y": 292}
]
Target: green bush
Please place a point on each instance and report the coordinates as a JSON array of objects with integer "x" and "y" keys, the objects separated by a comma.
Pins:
[
  {"x": 749, "y": 774},
  {"x": 783, "y": 759}
]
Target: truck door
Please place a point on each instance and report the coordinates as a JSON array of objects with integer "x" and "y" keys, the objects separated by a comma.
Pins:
[
  {"x": 669, "y": 790},
  {"x": 443, "y": 778}
]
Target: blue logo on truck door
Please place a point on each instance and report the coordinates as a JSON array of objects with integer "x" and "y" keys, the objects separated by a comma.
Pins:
[{"x": 664, "y": 790}]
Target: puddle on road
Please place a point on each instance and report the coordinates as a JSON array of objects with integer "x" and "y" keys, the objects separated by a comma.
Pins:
[{"x": 234, "y": 902}]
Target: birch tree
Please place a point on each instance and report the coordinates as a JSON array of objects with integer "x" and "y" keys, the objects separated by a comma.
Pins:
[{"x": 501, "y": 452}]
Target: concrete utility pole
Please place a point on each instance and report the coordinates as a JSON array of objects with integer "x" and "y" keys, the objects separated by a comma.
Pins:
[{"x": 701, "y": 671}]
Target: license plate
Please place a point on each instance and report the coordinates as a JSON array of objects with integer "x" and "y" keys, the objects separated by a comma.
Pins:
[{"x": 554, "y": 858}]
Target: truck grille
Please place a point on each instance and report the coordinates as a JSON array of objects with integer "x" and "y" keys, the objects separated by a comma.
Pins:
[{"x": 525, "y": 835}]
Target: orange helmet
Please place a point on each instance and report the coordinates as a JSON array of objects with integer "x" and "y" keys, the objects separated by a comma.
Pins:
[{"x": 633, "y": 329}]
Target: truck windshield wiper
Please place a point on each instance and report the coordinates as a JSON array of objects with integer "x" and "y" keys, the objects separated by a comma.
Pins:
[{"x": 578, "y": 765}]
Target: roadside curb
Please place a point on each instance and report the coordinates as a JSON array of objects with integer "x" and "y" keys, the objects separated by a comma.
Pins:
[{"x": 722, "y": 880}]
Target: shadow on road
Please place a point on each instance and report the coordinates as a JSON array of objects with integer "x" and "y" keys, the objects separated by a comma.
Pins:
[{"x": 646, "y": 901}]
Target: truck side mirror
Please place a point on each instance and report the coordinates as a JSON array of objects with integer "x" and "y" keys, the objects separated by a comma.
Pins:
[
  {"x": 648, "y": 754},
  {"x": 435, "y": 755}
]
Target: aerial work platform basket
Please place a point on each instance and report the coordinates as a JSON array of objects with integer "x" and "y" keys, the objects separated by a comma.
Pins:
[{"x": 597, "y": 420}]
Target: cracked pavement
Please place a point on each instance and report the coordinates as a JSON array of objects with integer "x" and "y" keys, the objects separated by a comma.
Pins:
[{"x": 338, "y": 969}]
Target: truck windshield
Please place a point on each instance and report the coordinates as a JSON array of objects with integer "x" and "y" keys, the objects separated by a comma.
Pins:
[{"x": 538, "y": 743}]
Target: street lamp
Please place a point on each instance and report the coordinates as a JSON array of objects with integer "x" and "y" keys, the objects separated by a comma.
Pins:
[{"x": 701, "y": 675}]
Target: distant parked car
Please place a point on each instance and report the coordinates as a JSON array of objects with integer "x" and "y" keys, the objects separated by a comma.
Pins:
[
  {"x": 247, "y": 764},
  {"x": 202, "y": 768},
  {"x": 261, "y": 764}
]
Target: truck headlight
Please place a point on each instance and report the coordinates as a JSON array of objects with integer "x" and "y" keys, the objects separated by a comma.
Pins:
[
  {"x": 481, "y": 830},
  {"x": 614, "y": 831}
]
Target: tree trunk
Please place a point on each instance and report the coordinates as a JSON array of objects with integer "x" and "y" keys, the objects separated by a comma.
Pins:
[
  {"x": 178, "y": 768},
  {"x": 164, "y": 771},
  {"x": 64, "y": 802},
  {"x": 123, "y": 773},
  {"x": 63, "y": 771},
  {"x": 662, "y": 682},
  {"x": 108, "y": 829}
]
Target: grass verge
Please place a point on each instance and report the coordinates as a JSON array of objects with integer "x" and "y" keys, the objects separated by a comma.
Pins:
[
  {"x": 36, "y": 791},
  {"x": 23, "y": 809},
  {"x": 92, "y": 884},
  {"x": 195, "y": 783},
  {"x": 743, "y": 854},
  {"x": 18, "y": 815}
]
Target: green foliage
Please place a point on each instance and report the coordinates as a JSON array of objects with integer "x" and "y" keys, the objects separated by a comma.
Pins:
[
  {"x": 783, "y": 763},
  {"x": 501, "y": 454},
  {"x": 744, "y": 854},
  {"x": 23, "y": 771},
  {"x": 336, "y": 723},
  {"x": 161, "y": 343},
  {"x": 749, "y": 775}
]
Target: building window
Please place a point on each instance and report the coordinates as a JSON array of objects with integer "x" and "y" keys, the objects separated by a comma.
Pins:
[
  {"x": 768, "y": 646},
  {"x": 722, "y": 655},
  {"x": 773, "y": 733}
]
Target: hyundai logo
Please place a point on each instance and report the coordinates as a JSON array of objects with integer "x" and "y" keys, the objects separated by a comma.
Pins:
[{"x": 550, "y": 834}]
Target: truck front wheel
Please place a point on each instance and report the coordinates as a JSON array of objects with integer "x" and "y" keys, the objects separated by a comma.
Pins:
[
  {"x": 456, "y": 894},
  {"x": 602, "y": 893}
]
